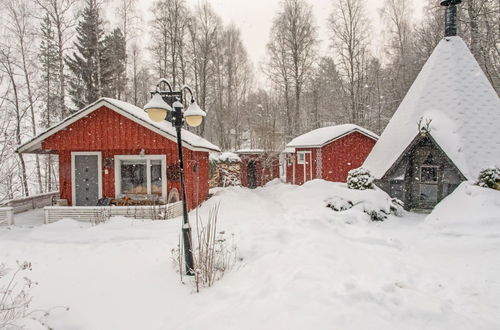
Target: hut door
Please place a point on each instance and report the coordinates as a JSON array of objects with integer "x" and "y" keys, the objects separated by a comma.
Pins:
[
  {"x": 429, "y": 180},
  {"x": 86, "y": 179},
  {"x": 252, "y": 174}
]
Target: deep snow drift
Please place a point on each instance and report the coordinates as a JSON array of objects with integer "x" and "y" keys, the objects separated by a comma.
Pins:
[{"x": 304, "y": 267}]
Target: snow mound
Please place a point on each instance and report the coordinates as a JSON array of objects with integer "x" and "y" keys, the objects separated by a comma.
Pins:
[{"x": 469, "y": 208}]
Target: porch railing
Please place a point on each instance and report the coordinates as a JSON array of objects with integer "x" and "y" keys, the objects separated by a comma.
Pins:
[
  {"x": 100, "y": 213},
  {"x": 31, "y": 202}
]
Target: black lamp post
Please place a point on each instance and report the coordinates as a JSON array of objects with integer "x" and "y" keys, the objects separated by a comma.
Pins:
[{"x": 159, "y": 108}]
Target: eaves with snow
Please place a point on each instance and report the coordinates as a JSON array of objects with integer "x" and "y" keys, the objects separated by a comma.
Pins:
[
  {"x": 453, "y": 92},
  {"x": 189, "y": 140}
]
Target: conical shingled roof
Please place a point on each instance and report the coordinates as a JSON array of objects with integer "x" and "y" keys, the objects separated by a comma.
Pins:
[{"x": 453, "y": 92}]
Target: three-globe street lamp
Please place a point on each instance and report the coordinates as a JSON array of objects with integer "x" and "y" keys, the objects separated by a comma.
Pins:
[{"x": 167, "y": 105}]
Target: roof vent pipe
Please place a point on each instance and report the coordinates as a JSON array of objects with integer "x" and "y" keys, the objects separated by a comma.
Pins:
[{"x": 450, "y": 26}]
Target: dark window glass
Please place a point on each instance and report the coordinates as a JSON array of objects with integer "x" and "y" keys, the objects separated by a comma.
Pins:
[
  {"x": 133, "y": 177},
  {"x": 156, "y": 177},
  {"x": 429, "y": 174}
]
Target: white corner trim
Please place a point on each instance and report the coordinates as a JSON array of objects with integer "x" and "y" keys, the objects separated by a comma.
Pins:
[{"x": 99, "y": 172}]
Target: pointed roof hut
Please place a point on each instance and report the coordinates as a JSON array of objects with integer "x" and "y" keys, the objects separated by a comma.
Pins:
[{"x": 445, "y": 130}]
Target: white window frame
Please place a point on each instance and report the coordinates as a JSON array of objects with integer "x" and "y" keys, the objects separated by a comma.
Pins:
[
  {"x": 148, "y": 158},
  {"x": 99, "y": 172},
  {"x": 303, "y": 161}
]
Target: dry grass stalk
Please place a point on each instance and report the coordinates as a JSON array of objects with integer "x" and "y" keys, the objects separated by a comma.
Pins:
[{"x": 212, "y": 253}]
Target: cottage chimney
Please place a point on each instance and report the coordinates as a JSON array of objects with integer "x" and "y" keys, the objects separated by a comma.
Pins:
[{"x": 450, "y": 26}]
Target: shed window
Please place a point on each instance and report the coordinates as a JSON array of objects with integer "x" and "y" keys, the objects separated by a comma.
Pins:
[
  {"x": 140, "y": 175},
  {"x": 429, "y": 174},
  {"x": 301, "y": 158}
]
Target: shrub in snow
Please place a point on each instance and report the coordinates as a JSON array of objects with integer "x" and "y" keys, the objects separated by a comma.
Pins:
[
  {"x": 15, "y": 299},
  {"x": 489, "y": 178},
  {"x": 339, "y": 204},
  {"x": 360, "y": 179},
  {"x": 374, "y": 202}
]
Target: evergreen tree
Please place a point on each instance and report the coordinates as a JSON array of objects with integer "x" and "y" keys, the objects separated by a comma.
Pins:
[
  {"x": 87, "y": 63},
  {"x": 115, "y": 56}
]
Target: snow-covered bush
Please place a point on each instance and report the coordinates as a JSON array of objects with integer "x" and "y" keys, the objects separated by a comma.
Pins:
[
  {"x": 489, "y": 178},
  {"x": 339, "y": 204},
  {"x": 374, "y": 202},
  {"x": 360, "y": 179}
]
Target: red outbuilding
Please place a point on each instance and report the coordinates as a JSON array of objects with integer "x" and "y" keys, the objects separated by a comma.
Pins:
[
  {"x": 112, "y": 149},
  {"x": 327, "y": 153},
  {"x": 258, "y": 167}
]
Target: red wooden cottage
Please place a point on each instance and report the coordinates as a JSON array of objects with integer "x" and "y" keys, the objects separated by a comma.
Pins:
[
  {"x": 258, "y": 167},
  {"x": 112, "y": 149},
  {"x": 327, "y": 153}
]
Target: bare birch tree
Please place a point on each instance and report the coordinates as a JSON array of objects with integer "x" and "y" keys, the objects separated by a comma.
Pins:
[
  {"x": 22, "y": 32},
  {"x": 8, "y": 66},
  {"x": 203, "y": 34},
  {"x": 349, "y": 28},
  {"x": 292, "y": 52}
]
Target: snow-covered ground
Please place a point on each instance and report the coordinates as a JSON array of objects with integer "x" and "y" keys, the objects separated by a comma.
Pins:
[{"x": 304, "y": 266}]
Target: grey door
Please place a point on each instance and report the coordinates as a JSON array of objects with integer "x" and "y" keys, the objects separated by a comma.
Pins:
[{"x": 86, "y": 180}]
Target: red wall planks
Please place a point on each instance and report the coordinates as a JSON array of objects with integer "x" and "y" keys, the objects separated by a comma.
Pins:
[
  {"x": 112, "y": 134},
  {"x": 337, "y": 158},
  {"x": 345, "y": 154}
]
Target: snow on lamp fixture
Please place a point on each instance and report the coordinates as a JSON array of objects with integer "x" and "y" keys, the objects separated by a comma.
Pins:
[
  {"x": 157, "y": 108},
  {"x": 194, "y": 115}
]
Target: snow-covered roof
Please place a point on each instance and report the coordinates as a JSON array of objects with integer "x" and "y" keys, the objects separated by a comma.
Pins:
[
  {"x": 132, "y": 112},
  {"x": 250, "y": 151},
  {"x": 453, "y": 92},
  {"x": 228, "y": 157},
  {"x": 324, "y": 135}
]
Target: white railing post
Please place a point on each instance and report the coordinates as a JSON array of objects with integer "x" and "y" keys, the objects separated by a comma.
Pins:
[
  {"x": 46, "y": 217},
  {"x": 10, "y": 216}
]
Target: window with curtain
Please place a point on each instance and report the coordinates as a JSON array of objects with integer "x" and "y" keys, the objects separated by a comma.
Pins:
[{"x": 140, "y": 175}]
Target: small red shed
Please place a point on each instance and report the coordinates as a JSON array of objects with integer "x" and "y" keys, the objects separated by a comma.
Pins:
[
  {"x": 258, "y": 167},
  {"x": 327, "y": 153},
  {"x": 112, "y": 149}
]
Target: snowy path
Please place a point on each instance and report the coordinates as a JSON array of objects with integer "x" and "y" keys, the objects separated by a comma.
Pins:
[{"x": 304, "y": 266}]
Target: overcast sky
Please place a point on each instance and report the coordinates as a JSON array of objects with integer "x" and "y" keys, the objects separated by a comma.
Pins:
[{"x": 254, "y": 19}]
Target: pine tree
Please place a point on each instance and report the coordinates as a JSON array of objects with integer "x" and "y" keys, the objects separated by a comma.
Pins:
[
  {"x": 114, "y": 59},
  {"x": 86, "y": 64}
]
